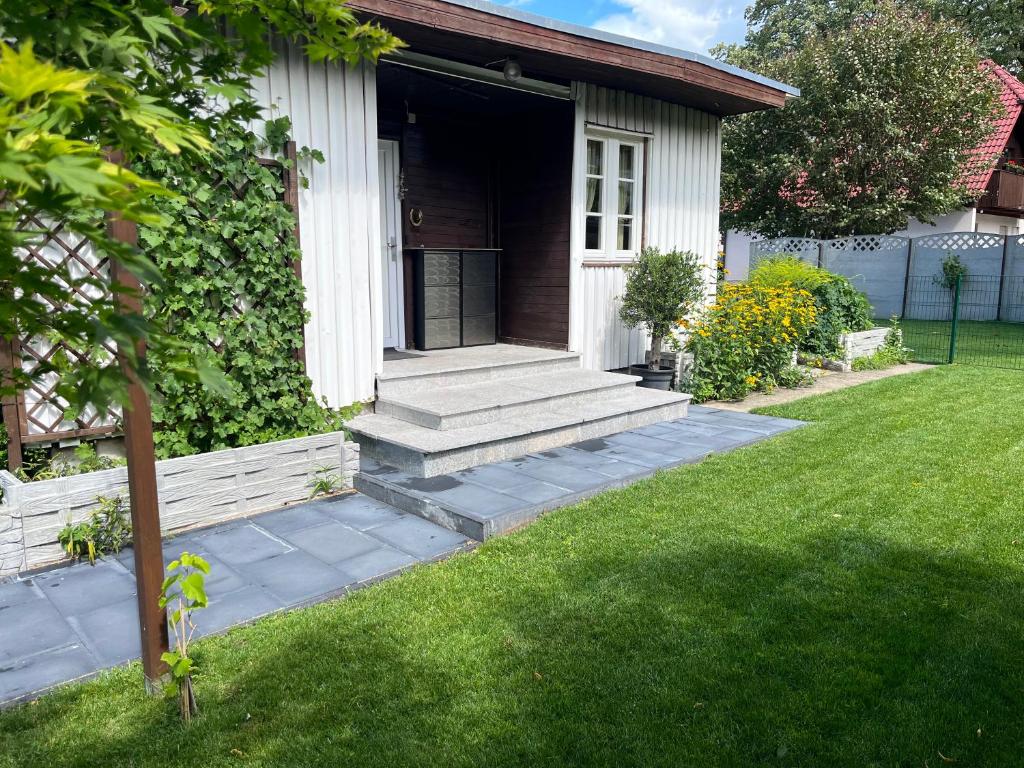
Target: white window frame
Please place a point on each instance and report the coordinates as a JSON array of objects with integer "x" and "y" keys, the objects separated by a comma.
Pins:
[{"x": 612, "y": 141}]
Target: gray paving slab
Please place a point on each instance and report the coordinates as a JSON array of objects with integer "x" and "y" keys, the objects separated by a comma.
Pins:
[
  {"x": 31, "y": 627},
  {"x": 625, "y": 453},
  {"x": 476, "y": 499},
  {"x": 111, "y": 633},
  {"x": 672, "y": 449},
  {"x": 38, "y": 673},
  {"x": 376, "y": 563},
  {"x": 16, "y": 592},
  {"x": 557, "y": 473},
  {"x": 243, "y": 545},
  {"x": 84, "y": 588},
  {"x": 75, "y": 620},
  {"x": 418, "y": 537},
  {"x": 293, "y": 519},
  {"x": 239, "y": 606},
  {"x": 296, "y": 577},
  {"x": 359, "y": 511},
  {"x": 332, "y": 542}
]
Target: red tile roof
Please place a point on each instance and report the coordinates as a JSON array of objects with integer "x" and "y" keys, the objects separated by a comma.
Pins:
[{"x": 986, "y": 153}]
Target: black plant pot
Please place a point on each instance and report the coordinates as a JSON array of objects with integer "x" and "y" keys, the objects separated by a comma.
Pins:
[{"x": 653, "y": 378}]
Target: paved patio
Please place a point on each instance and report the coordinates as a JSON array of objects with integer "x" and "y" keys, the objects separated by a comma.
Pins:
[{"x": 71, "y": 622}]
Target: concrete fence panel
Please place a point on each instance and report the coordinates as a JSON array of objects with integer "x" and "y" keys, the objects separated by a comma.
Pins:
[{"x": 875, "y": 264}]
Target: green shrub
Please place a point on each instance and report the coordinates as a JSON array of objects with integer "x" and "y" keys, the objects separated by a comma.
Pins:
[
  {"x": 661, "y": 289},
  {"x": 231, "y": 296},
  {"x": 745, "y": 341},
  {"x": 953, "y": 271},
  {"x": 841, "y": 308},
  {"x": 108, "y": 529},
  {"x": 39, "y": 465}
]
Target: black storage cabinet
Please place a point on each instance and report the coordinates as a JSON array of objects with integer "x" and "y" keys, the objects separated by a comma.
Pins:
[{"x": 456, "y": 297}]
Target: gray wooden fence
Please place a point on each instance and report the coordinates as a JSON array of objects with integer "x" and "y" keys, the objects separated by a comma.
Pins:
[{"x": 882, "y": 266}]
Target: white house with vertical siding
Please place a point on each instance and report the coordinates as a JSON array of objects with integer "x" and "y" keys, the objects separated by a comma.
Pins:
[
  {"x": 481, "y": 195},
  {"x": 666, "y": 103}
]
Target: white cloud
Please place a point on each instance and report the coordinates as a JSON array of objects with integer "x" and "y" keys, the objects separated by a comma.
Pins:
[{"x": 689, "y": 24}]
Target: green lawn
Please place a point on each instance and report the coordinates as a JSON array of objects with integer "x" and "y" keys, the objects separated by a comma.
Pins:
[
  {"x": 849, "y": 594},
  {"x": 978, "y": 343}
]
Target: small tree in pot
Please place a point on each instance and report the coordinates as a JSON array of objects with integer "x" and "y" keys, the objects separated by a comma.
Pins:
[{"x": 661, "y": 289}]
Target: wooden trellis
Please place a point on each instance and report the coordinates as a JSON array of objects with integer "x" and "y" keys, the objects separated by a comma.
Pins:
[{"x": 38, "y": 415}]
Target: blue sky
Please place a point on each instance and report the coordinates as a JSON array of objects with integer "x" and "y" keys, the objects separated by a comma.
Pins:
[{"x": 695, "y": 25}]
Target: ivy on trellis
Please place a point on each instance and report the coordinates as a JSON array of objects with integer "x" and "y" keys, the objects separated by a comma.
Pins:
[{"x": 230, "y": 292}]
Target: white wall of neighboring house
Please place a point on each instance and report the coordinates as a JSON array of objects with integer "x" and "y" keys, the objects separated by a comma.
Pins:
[{"x": 999, "y": 225}]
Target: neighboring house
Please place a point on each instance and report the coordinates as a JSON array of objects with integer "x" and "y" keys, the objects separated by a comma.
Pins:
[
  {"x": 999, "y": 187},
  {"x": 566, "y": 148}
]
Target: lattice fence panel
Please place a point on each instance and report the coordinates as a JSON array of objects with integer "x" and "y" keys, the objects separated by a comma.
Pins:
[
  {"x": 41, "y": 411},
  {"x": 804, "y": 248}
]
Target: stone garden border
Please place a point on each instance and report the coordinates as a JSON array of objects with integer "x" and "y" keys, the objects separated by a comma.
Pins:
[
  {"x": 859, "y": 344},
  {"x": 194, "y": 491}
]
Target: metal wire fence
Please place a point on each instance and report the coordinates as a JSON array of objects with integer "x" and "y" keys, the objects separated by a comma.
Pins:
[{"x": 977, "y": 321}]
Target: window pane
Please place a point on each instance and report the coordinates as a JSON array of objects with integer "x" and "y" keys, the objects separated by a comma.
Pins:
[
  {"x": 593, "y": 238},
  {"x": 594, "y": 195},
  {"x": 625, "y": 238},
  {"x": 626, "y": 198},
  {"x": 595, "y": 157},
  {"x": 626, "y": 153}
]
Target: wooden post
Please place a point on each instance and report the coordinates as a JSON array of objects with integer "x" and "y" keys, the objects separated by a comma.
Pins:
[
  {"x": 290, "y": 177},
  {"x": 138, "y": 437},
  {"x": 9, "y": 405}
]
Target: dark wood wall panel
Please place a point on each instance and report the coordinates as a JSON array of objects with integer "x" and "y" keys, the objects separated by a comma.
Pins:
[
  {"x": 448, "y": 168},
  {"x": 536, "y": 192}
]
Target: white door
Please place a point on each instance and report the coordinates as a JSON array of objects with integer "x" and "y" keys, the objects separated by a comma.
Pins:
[{"x": 391, "y": 244}]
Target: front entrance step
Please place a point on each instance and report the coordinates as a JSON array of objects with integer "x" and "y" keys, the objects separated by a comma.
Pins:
[
  {"x": 520, "y": 397},
  {"x": 470, "y": 365},
  {"x": 493, "y": 499},
  {"x": 425, "y": 452}
]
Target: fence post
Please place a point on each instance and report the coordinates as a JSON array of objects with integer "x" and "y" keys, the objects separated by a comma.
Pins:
[
  {"x": 9, "y": 405},
  {"x": 906, "y": 275},
  {"x": 1002, "y": 277},
  {"x": 142, "y": 485},
  {"x": 821, "y": 254},
  {"x": 956, "y": 320}
]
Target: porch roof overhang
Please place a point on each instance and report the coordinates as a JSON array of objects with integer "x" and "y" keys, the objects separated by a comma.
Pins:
[{"x": 479, "y": 33}]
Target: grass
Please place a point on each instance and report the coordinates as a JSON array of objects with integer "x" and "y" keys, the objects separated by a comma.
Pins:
[
  {"x": 849, "y": 594},
  {"x": 1000, "y": 345}
]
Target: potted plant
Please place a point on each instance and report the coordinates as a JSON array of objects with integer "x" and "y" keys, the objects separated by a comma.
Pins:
[{"x": 661, "y": 289}]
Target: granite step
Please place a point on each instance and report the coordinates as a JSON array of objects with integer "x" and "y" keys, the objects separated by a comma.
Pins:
[
  {"x": 470, "y": 365},
  {"x": 446, "y": 408},
  {"x": 425, "y": 452}
]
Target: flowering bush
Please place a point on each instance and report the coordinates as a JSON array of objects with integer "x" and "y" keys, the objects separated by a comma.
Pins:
[
  {"x": 746, "y": 339},
  {"x": 841, "y": 308}
]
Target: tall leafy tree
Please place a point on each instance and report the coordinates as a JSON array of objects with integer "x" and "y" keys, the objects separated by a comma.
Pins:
[
  {"x": 777, "y": 27},
  {"x": 79, "y": 78},
  {"x": 891, "y": 107}
]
